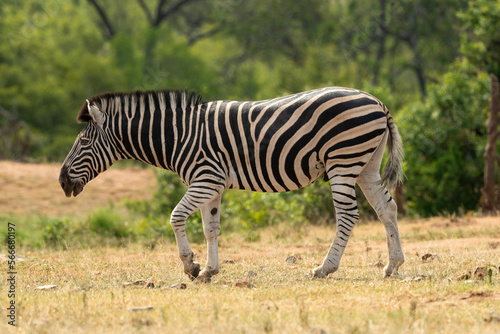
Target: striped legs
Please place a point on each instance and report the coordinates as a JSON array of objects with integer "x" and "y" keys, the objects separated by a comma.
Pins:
[
  {"x": 210, "y": 215},
  {"x": 379, "y": 198},
  {"x": 205, "y": 196},
  {"x": 386, "y": 209},
  {"x": 346, "y": 208},
  {"x": 344, "y": 200}
]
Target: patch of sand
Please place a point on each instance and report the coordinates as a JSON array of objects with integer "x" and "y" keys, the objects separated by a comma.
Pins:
[{"x": 33, "y": 189}]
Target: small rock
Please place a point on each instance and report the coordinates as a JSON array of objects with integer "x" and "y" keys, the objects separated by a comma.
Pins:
[
  {"x": 431, "y": 257},
  {"x": 46, "y": 287},
  {"x": 462, "y": 277},
  {"x": 291, "y": 259},
  {"x": 494, "y": 244},
  {"x": 142, "y": 322},
  {"x": 315, "y": 330},
  {"x": 244, "y": 285},
  {"x": 414, "y": 279},
  {"x": 180, "y": 286},
  {"x": 494, "y": 317},
  {"x": 140, "y": 282},
  {"x": 140, "y": 308},
  {"x": 251, "y": 273},
  {"x": 481, "y": 272},
  {"x": 229, "y": 261}
]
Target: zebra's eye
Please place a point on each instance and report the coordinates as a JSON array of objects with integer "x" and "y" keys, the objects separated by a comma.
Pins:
[{"x": 84, "y": 141}]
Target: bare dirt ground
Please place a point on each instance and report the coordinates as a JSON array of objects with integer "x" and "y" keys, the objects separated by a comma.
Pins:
[{"x": 33, "y": 189}]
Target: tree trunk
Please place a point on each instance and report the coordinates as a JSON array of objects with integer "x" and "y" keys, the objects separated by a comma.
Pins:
[
  {"x": 399, "y": 198},
  {"x": 488, "y": 192}
]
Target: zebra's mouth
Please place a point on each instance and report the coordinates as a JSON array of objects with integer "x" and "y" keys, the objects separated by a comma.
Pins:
[{"x": 72, "y": 187}]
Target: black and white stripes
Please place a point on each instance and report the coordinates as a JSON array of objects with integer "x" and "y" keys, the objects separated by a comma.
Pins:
[{"x": 274, "y": 145}]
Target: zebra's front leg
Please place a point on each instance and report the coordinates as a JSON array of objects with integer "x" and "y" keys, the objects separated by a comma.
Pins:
[
  {"x": 346, "y": 208},
  {"x": 200, "y": 193},
  {"x": 210, "y": 215},
  {"x": 178, "y": 222}
]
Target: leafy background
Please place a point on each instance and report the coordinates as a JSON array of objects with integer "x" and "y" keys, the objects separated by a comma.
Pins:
[{"x": 429, "y": 61}]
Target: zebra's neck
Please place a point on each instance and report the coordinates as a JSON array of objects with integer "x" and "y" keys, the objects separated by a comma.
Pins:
[{"x": 147, "y": 125}]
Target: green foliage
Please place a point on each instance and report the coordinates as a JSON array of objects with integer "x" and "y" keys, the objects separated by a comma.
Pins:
[
  {"x": 481, "y": 42},
  {"x": 108, "y": 223},
  {"x": 51, "y": 58},
  {"x": 16, "y": 136},
  {"x": 54, "y": 54},
  {"x": 242, "y": 211},
  {"x": 55, "y": 232},
  {"x": 248, "y": 211},
  {"x": 444, "y": 139},
  {"x": 155, "y": 214}
]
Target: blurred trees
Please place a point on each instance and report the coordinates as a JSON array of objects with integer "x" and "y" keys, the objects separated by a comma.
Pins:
[
  {"x": 15, "y": 138},
  {"x": 444, "y": 140},
  {"x": 54, "y": 54},
  {"x": 481, "y": 45}
]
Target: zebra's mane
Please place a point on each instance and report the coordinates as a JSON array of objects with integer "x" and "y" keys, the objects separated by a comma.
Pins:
[{"x": 174, "y": 98}]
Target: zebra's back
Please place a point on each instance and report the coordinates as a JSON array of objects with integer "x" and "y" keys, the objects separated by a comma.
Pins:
[{"x": 286, "y": 143}]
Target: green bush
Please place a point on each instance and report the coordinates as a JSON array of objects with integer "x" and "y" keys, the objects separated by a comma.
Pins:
[
  {"x": 241, "y": 211},
  {"x": 108, "y": 224},
  {"x": 156, "y": 213},
  {"x": 55, "y": 232},
  {"x": 444, "y": 140}
]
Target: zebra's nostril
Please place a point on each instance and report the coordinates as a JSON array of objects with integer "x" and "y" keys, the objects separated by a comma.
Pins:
[{"x": 63, "y": 177}]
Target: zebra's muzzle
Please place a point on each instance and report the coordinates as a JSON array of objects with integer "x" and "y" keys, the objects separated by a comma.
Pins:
[{"x": 69, "y": 185}]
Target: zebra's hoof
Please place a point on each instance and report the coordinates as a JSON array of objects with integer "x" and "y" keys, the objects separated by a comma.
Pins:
[
  {"x": 206, "y": 275},
  {"x": 390, "y": 273},
  {"x": 318, "y": 273},
  {"x": 194, "y": 272},
  {"x": 203, "y": 279}
]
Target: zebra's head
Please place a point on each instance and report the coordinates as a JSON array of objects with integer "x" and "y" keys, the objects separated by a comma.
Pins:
[{"x": 90, "y": 154}]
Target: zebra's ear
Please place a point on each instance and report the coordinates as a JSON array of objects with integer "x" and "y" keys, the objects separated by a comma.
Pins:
[{"x": 95, "y": 114}]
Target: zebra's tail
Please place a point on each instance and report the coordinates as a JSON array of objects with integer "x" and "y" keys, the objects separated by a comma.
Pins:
[{"x": 393, "y": 169}]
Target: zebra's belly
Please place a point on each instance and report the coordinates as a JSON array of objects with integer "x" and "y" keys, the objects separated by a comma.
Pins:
[{"x": 278, "y": 177}]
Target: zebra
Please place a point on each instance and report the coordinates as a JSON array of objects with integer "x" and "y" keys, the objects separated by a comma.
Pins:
[{"x": 276, "y": 145}]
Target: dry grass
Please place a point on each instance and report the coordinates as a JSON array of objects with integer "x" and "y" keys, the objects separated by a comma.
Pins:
[{"x": 90, "y": 296}]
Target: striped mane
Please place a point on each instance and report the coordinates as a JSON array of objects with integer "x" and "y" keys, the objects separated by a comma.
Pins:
[{"x": 173, "y": 97}]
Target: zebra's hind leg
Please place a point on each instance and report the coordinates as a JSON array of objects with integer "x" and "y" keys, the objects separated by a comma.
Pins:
[
  {"x": 346, "y": 208},
  {"x": 379, "y": 198},
  {"x": 210, "y": 214},
  {"x": 197, "y": 196}
]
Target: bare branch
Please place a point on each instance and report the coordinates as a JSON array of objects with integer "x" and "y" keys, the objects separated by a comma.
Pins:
[
  {"x": 196, "y": 37},
  {"x": 144, "y": 7},
  {"x": 104, "y": 18},
  {"x": 162, "y": 14}
]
